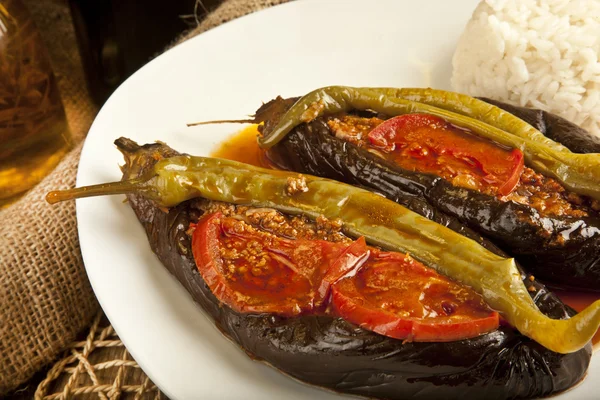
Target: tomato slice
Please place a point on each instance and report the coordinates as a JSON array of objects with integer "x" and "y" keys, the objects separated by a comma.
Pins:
[
  {"x": 343, "y": 263},
  {"x": 254, "y": 271},
  {"x": 396, "y": 296},
  {"x": 425, "y": 143}
]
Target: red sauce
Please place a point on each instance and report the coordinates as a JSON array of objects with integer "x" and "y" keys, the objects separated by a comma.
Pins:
[{"x": 579, "y": 301}]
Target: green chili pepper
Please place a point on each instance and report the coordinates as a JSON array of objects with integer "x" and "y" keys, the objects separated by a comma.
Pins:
[
  {"x": 579, "y": 173},
  {"x": 382, "y": 222}
]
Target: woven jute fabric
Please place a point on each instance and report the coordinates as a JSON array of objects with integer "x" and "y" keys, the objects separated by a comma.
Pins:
[
  {"x": 97, "y": 366},
  {"x": 44, "y": 292}
]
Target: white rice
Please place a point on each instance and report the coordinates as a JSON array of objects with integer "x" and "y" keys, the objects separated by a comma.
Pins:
[{"x": 534, "y": 53}]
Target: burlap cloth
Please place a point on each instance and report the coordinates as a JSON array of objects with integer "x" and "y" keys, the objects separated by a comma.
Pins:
[{"x": 46, "y": 300}]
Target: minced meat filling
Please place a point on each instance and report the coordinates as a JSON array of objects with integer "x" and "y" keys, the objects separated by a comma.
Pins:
[
  {"x": 352, "y": 128},
  {"x": 273, "y": 221},
  {"x": 542, "y": 193},
  {"x": 549, "y": 197}
]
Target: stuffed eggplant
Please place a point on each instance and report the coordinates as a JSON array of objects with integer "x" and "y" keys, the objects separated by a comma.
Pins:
[
  {"x": 447, "y": 155},
  {"x": 186, "y": 203}
]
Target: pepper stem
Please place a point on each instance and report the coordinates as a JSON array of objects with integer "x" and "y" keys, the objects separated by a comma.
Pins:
[
  {"x": 223, "y": 121},
  {"x": 120, "y": 187}
]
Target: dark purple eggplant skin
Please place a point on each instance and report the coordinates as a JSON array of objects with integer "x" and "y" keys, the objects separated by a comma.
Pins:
[
  {"x": 562, "y": 252},
  {"x": 576, "y": 139},
  {"x": 334, "y": 354}
]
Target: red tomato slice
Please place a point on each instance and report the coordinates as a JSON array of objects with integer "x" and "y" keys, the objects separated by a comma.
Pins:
[
  {"x": 396, "y": 296},
  {"x": 513, "y": 179},
  {"x": 254, "y": 271},
  {"x": 429, "y": 144},
  {"x": 345, "y": 264}
]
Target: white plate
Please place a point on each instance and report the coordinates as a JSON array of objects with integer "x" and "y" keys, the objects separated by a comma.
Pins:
[{"x": 226, "y": 73}]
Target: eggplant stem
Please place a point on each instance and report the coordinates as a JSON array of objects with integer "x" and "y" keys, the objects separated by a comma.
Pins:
[{"x": 119, "y": 187}]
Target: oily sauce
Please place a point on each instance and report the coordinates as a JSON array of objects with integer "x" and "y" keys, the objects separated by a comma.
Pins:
[{"x": 243, "y": 147}]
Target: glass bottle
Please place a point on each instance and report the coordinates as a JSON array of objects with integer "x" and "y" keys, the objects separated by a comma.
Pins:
[
  {"x": 117, "y": 37},
  {"x": 33, "y": 128}
]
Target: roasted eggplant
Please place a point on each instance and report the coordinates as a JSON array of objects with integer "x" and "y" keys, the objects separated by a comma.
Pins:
[
  {"x": 560, "y": 250},
  {"x": 324, "y": 350},
  {"x": 576, "y": 139}
]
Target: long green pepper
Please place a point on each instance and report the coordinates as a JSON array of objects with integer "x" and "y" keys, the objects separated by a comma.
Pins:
[
  {"x": 579, "y": 173},
  {"x": 382, "y": 222}
]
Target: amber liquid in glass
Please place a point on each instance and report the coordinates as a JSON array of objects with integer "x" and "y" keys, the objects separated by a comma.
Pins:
[{"x": 33, "y": 129}]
